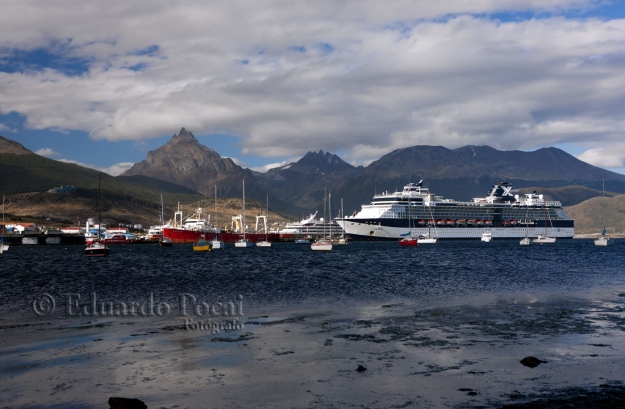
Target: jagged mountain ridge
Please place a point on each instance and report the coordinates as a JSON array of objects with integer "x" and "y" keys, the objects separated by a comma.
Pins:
[
  {"x": 459, "y": 174},
  {"x": 469, "y": 171},
  {"x": 184, "y": 161},
  {"x": 302, "y": 183}
]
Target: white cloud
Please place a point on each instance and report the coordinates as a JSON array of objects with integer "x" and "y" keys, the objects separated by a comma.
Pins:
[
  {"x": 612, "y": 156},
  {"x": 364, "y": 77},
  {"x": 118, "y": 168},
  {"x": 48, "y": 152},
  {"x": 265, "y": 168},
  {"x": 113, "y": 170}
]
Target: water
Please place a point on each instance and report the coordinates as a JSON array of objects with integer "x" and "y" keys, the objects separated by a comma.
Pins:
[
  {"x": 441, "y": 325},
  {"x": 291, "y": 274}
]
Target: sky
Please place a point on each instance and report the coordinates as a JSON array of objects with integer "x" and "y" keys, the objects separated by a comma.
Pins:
[{"x": 266, "y": 81}]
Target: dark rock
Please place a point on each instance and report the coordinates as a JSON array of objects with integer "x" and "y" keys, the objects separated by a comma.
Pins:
[
  {"x": 361, "y": 368},
  {"x": 125, "y": 403},
  {"x": 531, "y": 361}
]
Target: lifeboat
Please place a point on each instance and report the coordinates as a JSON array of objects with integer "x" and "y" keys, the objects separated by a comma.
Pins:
[
  {"x": 480, "y": 223},
  {"x": 421, "y": 222},
  {"x": 451, "y": 222},
  {"x": 471, "y": 222},
  {"x": 440, "y": 222},
  {"x": 488, "y": 222},
  {"x": 461, "y": 222}
]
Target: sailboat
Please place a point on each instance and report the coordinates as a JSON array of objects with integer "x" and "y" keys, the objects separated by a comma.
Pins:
[
  {"x": 427, "y": 238},
  {"x": 164, "y": 241},
  {"x": 604, "y": 240},
  {"x": 322, "y": 244},
  {"x": 408, "y": 240},
  {"x": 216, "y": 243},
  {"x": 3, "y": 247},
  {"x": 342, "y": 239},
  {"x": 266, "y": 242},
  {"x": 96, "y": 248},
  {"x": 243, "y": 242},
  {"x": 545, "y": 239},
  {"x": 526, "y": 240}
]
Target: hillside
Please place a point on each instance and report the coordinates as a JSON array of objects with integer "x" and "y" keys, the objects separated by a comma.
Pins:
[
  {"x": 64, "y": 209},
  {"x": 588, "y": 216},
  {"x": 179, "y": 168}
]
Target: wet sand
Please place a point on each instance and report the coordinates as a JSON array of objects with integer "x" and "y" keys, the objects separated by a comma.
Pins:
[{"x": 462, "y": 354}]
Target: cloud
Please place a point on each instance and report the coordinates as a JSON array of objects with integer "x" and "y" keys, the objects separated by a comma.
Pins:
[
  {"x": 265, "y": 168},
  {"x": 118, "y": 168},
  {"x": 361, "y": 77},
  {"x": 612, "y": 156},
  {"x": 114, "y": 170},
  {"x": 47, "y": 152}
]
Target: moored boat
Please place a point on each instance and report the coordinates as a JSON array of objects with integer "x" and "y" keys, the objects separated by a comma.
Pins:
[
  {"x": 202, "y": 245},
  {"x": 408, "y": 242},
  {"x": 604, "y": 240}
]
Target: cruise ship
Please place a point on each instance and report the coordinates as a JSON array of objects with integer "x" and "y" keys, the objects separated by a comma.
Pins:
[
  {"x": 416, "y": 212},
  {"x": 310, "y": 227}
]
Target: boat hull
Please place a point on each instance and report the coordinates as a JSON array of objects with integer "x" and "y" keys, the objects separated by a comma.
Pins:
[
  {"x": 322, "y": 245},
  {"x": 181, "y": 236},
  {"x": 96, "y": 250},
  {"x": 408, "y": 242},
  {"x": 243, "y": 244},
  {"x": 368, "y": 231},
  {"x": 604, "y": 241}
]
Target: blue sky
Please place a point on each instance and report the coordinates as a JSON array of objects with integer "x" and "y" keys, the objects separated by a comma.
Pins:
[{"x": 265, "y": 82}]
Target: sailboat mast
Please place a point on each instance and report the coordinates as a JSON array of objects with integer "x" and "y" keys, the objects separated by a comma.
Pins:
[
  {"x": 99, "y": 211},
  {"x": 324, "y": 211},
  {"x": 215, "y": 206},
  {"x": 330, "y": 213},
  {"x": 266, "y": 216},
  {"x": 162, "y": 210},
  {"x": 4, "y": 226},
  {"x": 603, "y": 194}
]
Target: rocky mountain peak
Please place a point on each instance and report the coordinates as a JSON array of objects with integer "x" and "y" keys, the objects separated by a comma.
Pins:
[
  {"x": 324, "y": 162},
  {"x": 185, "y": 161},
  {"x": 184, "y": 134}
]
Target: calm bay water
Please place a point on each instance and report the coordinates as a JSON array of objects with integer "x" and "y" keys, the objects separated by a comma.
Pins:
[
  {"x": 290, "y": 274},
  {"x": 441, "y": 325}
]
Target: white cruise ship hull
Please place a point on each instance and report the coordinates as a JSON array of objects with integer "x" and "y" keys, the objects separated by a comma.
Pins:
[{"x": 363, "y": 231}]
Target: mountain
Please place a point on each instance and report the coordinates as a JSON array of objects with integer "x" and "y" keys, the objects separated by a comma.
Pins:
[
  {"x": 11, "y": 147},
  {"x": 302, "y": 183},
  {"x": 470, "y": 171},
  {"x": 588, "y": 215},
  {"x": 186, "y": 171},
  {"x": 26, "y": 177},
  {"x": 184, "y": 161}
]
